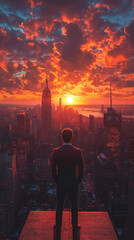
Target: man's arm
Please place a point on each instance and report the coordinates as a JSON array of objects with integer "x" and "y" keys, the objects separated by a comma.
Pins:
[
  {"x": 80, "y": 166},
  {"x": 53, "y": 166}
]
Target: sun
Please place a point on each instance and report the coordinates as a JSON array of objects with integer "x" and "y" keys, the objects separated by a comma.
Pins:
[{"x": 69, "y": 100}]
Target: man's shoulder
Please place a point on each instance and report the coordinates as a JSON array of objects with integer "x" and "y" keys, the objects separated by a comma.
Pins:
[
  {"x": 57, "y": 149},
  {"x": 76, "y": 149},
  {"x": 62, "y": 147}
]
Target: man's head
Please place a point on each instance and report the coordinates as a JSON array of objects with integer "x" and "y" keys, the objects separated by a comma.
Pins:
[{"x": 67, "y": 134}]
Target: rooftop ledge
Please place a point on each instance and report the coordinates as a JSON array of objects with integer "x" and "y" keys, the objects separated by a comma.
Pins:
[{"x": 94, "y": 225}]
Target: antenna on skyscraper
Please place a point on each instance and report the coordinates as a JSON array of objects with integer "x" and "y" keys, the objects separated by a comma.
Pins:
[
  {"x": 46, "y": 81},
  {"x": 110, "y": 95}
]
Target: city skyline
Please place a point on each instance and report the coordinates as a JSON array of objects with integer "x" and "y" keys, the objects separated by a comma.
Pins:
[
  {"x": 81, "y": 45},
  {"x": 28, "y": 135}
]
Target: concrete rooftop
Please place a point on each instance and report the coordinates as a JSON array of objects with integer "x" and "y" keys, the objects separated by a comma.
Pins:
[{"x": 94, "y": 226}]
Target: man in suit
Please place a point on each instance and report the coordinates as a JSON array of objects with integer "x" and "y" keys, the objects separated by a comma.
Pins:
[{"x": 64, "y": 160}]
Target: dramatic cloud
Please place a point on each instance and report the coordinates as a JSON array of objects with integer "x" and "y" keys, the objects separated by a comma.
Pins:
[
  {"x": 72, "y": 53},
  {"x": 81, "y": 44},
  {"x": 130, "y": 34}
]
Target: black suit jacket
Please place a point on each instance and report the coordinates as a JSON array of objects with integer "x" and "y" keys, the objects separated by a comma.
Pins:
[{"x": 64, "y": 160}]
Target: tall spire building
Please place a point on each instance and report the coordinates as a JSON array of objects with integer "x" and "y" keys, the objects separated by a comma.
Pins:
[
  {"x": 112, "y": 131},
  {"x": 46, "y": 107}
]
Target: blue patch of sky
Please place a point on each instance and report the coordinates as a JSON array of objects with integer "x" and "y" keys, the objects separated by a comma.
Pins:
[
  {"x": 10, "y": 28},
  {"x": 59, "y": 31},
  {"x": 31, "y": 53},
  {"x": 5, "y": 9},
  {"x": 34, "y": 60},
  {"x": 44, "y": 55},
  {"x": 19, "y": 74},
  {"x": 97, "y": 50},
  {"x": 95, "y": 1},
  {"x": 47, "y": 39},
  {"x": 25, "y": 14},
  {"x": 38, "y": 9},
  {"x": 92, "y": 2},
  {"x": 121, "y": 19},
  {"x": 36, "y": 17},
  {"x": 39, "y": 38},
  {"x": 17, "y": 28},
  {"x": 5, "y": 25}
]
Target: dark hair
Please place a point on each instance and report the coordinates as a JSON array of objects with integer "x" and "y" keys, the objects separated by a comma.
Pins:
[{"x": 67, "y": 134}]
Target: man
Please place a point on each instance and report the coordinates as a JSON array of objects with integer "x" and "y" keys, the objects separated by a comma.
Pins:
[{"x": 63, "y": 165}]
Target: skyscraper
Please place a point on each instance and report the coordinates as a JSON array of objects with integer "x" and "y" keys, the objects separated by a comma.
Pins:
[
  {"x": 112, "y": 126},
  {"x": 34, "y": 126},
  {"x": 80, "y": 122},
  {"x": 129, "y": 228},
  {"x": 27, "y": 125},
  {"x": 8, "y": 193},
  {"x": 46, "y": 107},
  {"x": 91, "y": 123},
  {"x": 21, "y": 123},
  {"x": 112, "y": 131}
]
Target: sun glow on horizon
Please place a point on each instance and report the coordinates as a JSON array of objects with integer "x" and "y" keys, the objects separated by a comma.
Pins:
[{"x": 69, "y": 100}]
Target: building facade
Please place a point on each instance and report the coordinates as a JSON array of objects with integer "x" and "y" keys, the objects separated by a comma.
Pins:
[{"x": 46, "y": 108}]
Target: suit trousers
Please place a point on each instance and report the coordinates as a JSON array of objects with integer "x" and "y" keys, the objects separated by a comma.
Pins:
[{"x": 66, "y": 185}]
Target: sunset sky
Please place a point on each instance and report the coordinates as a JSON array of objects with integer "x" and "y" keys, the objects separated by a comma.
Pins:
[{"x": 80, "y": 44}]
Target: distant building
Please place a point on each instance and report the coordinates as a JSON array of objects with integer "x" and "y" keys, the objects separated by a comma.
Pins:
[
  {"x": 90, "y": 141},
  {"x": 20, "y": 149},
  {"x": 91, "y": 123},
  {"x": 117, "y": 208},
  {"x": 58, "y": 115},
  {"x": 80, "y": 122},
  {"x": 112, "y": 132},
  {"x": 104, "y": 172},
  {"x": 10, "y": 130},
  {"x": 102, "y": 108},
  {"x": 8, "y": 190},
  {"x": 129, "y": 229},
  {"x": 21, "y": 123},
  {"x": 27, "y": 125},
  {"x": 46, "y": 107},
  {"x": 112, "y": 119},
  {"x": 34, "y": 126},
  {"x": 60, "y": 102}
]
